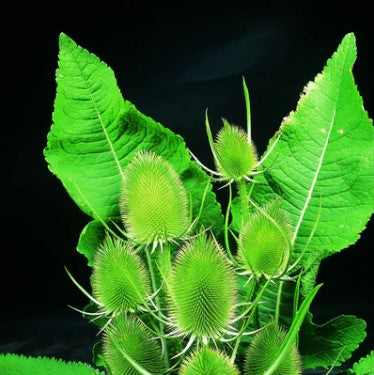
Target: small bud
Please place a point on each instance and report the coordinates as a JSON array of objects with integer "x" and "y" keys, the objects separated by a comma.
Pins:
[
  {"x": 235, "y": 151},
  {"x": 264, "y": 242}
]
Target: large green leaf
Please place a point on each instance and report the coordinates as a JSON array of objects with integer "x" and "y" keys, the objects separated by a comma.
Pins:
[
  {"x": 330, "y": 343},
  {"x": 13, "y": 364},
  {"x": 324, "y": 157},
  {"x": 95, "y": 133}
]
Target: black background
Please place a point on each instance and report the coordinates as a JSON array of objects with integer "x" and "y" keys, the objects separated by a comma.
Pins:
[{"x": 172, "y": 62}]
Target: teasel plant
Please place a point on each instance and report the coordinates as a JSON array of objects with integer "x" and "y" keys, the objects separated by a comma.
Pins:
[{"x": 165, "y": 289}]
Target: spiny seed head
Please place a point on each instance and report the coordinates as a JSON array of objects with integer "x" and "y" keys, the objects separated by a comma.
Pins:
[
  {"x": 120, "y": 280},
  {"x": 128, "y": 335},
  {"x": 154, "y": 201},
  {"x": 263, "y": 351},
  {"x": 202, "y": 289},
  {"x": 264, "y": 243},
  {"x": 237, "y": 153},
  {"x": 208, "y": 361}
]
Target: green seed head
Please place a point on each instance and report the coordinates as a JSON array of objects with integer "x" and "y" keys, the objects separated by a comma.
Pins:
[
  {"x": 264, "y": 242},
  {"x": 126, "y": 336},
  {"x": 120, "y": 280},
  {"x": 238, "y": 155},
  {"x": 202, "y": 289},
  {"x": 154, "y": 201},
  {"x": 263, "y": 351},
  {"x": 208, "y": 361}
]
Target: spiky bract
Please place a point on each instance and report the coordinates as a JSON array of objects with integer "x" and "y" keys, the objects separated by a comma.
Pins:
[
  {"x": 263, "y": 351},
  {"x": 264, "y": 242},
  {"x": 120, "y": 280},
  {"x": 202, "y": 289},
  {"x": 127, "y": 336},
  {"x": 154, "y": 202},
  {"x": 237, "y": 153},
  {"x": 208, "y": 361}
]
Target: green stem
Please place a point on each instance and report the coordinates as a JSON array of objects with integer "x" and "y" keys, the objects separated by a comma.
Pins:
[
  {"x": 279, "y": 298},
  {"x": 247, "y": 321},
  {"x": 226, "y": 230},
  {"x": 242, "y": 190},
  {"x": 157, "y": 302}
]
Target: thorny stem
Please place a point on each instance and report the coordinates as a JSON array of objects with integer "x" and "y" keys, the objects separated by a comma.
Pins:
[{"x": 157, "y": 302}]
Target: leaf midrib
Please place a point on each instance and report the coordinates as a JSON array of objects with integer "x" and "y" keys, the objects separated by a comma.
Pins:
[
  {"x": 321, "y": 159},
  {"x": 109, "y": 142}
]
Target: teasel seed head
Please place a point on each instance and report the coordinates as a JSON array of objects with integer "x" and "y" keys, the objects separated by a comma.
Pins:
[
  {"x": 237, "y": 153},
  {"x": 120, "y": 279},
  {"x": 202, "y": 289},
  {"x": 208, "y": 361},
  {"x": 153, "y": 203},
  {"x": 127, "y": 336},
  {"x": 265, "y": 242},
  {"x": 263, "y": 351}
]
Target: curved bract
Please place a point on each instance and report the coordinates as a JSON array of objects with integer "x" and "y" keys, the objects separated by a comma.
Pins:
[
  {"x": 127, "y": 338},
  {"x": 237, "y": 153},
  {"x": 154, "y": 202},
  {"x": 263, "y": 351},
  {"x": 208, "y": 361},
  {"x": 120, "y": 280},
  {"x": 202, "y": 289},
  {"x": 264, "y": 242}
]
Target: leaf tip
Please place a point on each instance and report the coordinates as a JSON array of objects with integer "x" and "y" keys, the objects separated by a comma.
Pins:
[
  {"x": 64, "y": 40},
  {"x": 349, "y": 43}
]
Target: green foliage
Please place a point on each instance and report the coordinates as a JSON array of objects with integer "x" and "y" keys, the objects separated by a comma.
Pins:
[
  {"x": 202, "y": 288},
  {"x": 119, "y": 280},
  {"x": 237, "y": 153},
  {"x": 208, "y": 361},
  {"x": 264, "y": 242},
  {"x": 154, "y": 202},
  {"x": 263, "y": 351},
  {"x": 128, "y": 344},
  {"x": 323, "y": 157},
  {"x": 365, "y": 366},
  {"x": 13, "y": 364},
  {"x": 335, "y": 340},
  {"x": 124, "y": 169},
  {"x": 95, "y": 133},
  {"x": 90, "y": 239}
]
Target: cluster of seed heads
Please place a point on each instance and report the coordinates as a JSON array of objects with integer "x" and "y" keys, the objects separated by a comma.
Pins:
[{"x": 196, "y": 302}]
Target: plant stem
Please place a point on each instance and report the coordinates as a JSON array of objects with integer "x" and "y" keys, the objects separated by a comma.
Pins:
[
  {"x": 226, "y": 229},
  {"x": 158, "y": 304},
  {"x": 279, "y": 298},
  {"x": 242, "y": 190},
  {"x": 237, "y": 342}
]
